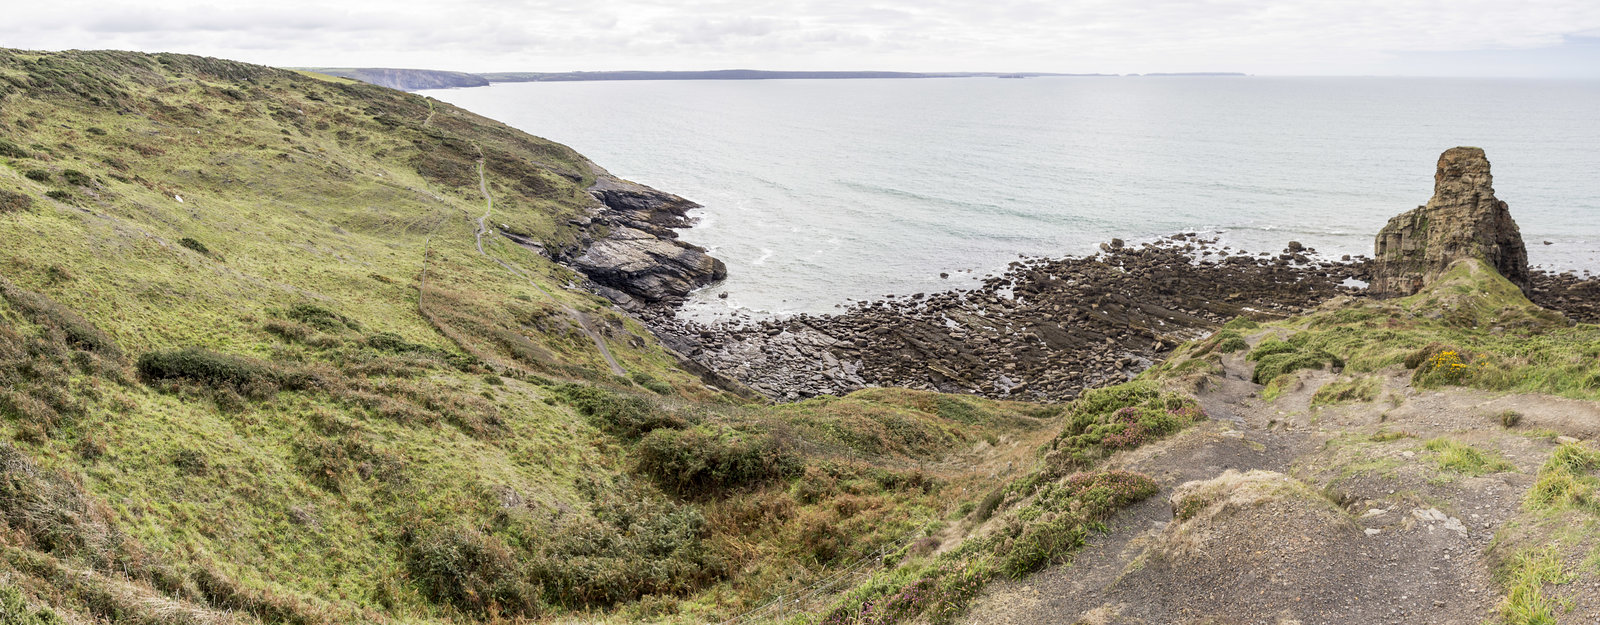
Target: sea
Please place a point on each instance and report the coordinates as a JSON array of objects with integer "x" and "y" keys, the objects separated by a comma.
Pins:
[{"x": 819, "y": 193}]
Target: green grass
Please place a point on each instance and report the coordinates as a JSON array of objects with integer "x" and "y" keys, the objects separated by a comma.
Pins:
[
  {"x": 1277, "y": 386},
  {"x": 1456, "y": 456},
  {"x": 1566, "y": 481},
  {"x": 1469, "y": 328},
  {"x": 299, "y": 394},
  {"x": 1525, "y": 578},
  {"x": 1345, "y": 390}
]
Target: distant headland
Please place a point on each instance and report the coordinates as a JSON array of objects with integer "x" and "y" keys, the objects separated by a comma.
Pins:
[{"x": 417, "y": 79}]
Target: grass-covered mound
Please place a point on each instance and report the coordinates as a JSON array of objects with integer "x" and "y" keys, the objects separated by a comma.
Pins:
[
  {"x": 1469, "y": 328},
  {"x": 1032, "y": 521}
]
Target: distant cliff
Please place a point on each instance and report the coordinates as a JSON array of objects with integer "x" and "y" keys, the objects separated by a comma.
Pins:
[
  {"x": 405, "y": 79},
  {"x": 417, "y": 79}
]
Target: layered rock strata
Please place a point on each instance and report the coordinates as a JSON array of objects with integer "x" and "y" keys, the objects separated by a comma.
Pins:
[
  {"x": 1463, "y": 220},
  {"x": 634, "y": 253},
  {"x": 1046, "y": 329}
]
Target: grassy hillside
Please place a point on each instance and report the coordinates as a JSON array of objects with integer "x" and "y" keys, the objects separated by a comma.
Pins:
[{"x": 257, "y": 370}]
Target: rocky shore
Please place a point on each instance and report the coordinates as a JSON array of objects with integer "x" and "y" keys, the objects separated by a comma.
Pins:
[
  {"x": 632, "y": 250},
  {"x": 1046, "y": 329}
]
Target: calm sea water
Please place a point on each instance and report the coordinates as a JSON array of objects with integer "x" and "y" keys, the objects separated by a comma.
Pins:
[{"x": 819, "y": 192}]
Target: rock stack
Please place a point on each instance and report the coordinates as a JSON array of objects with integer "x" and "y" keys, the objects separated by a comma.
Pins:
[{"x": 1462, "y": 220}]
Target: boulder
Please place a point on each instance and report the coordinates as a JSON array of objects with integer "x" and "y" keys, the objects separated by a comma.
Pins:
[{"x": 1463, "y": 220}]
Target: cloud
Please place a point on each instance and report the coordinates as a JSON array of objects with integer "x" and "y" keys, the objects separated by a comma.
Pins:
[{"x": 1277, "y": 37}]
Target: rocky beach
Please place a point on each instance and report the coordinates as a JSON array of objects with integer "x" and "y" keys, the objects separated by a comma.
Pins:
[{"x": 1046, "y": 329}]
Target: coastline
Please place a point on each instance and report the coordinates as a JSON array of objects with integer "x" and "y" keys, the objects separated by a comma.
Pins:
[{"x": 1046, "y": 329}]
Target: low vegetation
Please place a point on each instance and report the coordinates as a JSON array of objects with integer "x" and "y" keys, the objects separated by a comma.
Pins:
[
  {"x": 1458, "y": 457},
  {"x": 1036, "y": 520}
]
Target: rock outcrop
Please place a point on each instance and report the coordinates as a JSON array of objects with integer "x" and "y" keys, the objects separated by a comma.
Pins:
[
  {"x": 635, "y": 254},
  {"x": 1462, "y": 220}
]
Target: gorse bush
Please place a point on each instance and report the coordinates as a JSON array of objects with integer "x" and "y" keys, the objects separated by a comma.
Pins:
[
  {"x": 1064, "y": 511},
  {"x": 12, "y": 150},
  {"x": 634, "y": 545},
  {"x": 627, "y": 416},
  {"x": 701, "y": 462},
  {"x": 195, "y": 245},
  {"x": 244, "y": 375},
  {"x": 77, "y": 178},
  {"x": 475, "y": 572},
  {"x": 14, "y": 610},
  {"x": 321, "y": 318}
]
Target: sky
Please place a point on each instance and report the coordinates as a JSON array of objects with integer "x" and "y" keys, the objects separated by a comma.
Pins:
[{"x": 1538, "y": 38}]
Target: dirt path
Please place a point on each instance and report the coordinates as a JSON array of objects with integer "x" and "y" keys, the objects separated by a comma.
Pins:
[
  {"x": 1379, "y": 533},
  {"x": 483, "y": 228}
]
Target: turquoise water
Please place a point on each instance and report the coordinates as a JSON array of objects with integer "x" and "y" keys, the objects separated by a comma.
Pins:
[{"x": 819, "y": 192}]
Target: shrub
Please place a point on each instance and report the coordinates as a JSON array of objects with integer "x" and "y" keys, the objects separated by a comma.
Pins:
[
  {"x": 472, "y": 571},
  {"x": 321, "y": 318},
  {"x": 37, "y": 175},
  {"x": 634, "y": 545},
  {"x": 1117, "y": 417},
  {"x": 1232, "y": 344},
  {"x": 696, "y": 462},
  {"x": 1447, "y": 366},
  {"x": 1075, "y": 503},
  {"x": 1241, "y": 323},
  {"x": 14, "y": 610},
  {"x": 247, "y": 376},
  {"x": 58, "y": 195},
  {"x": 79, "y": 332},
  {"x": 1273, "y": 361},
  {"x": 12, "y": 202},
  {"x": 77, "y": 178},
  {"x": 287, "y": 330},
  {"x": 194, "y": 245},
  {"x": 12, "y": 150},
  {"x": 990, "y": 502},
  {"x": 650, "y": 383},
  {"x": 96, "y": 131},
  {"x": 624, "y": 415},
  {"x": 1509, "y": 418}
]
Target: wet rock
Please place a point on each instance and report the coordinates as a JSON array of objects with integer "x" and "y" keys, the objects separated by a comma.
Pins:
[{"x": 633, "y": 247}]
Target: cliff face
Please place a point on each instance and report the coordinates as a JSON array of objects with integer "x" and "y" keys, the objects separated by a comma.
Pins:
[
  {"x": 635, "y": 253},
  {"x": 407, "y": 79},
  {"x": 1463, "y": 220}
]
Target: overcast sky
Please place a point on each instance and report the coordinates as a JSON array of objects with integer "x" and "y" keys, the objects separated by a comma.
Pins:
[{"x": 1284, "y": 37}]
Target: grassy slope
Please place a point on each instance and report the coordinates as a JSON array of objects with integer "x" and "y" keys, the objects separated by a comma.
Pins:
[{"x": 433, "y": 443}]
